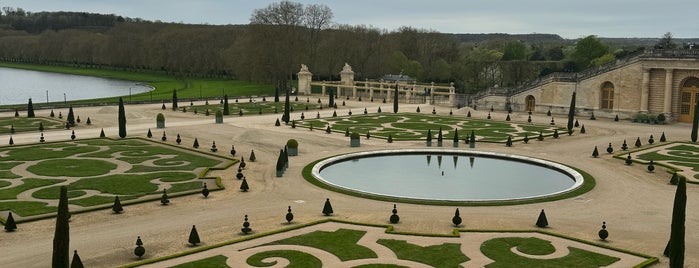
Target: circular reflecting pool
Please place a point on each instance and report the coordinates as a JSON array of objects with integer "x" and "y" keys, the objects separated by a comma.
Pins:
[{"x": 449, "y": 175}]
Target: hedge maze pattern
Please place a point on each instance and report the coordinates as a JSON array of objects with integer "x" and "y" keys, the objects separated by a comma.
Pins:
[
  {"x": 333, "y": 244},
  {"x": 683, "y": 157},
  {"x": 415, "y": 127},
  {"x": 96, "y": 171}
]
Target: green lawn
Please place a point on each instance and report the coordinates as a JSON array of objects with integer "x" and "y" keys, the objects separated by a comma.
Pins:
[
  {"x": 24, "y": 124},
  {"x": 442, "y": 252},
  {"x": 416, "y": 126},
  {"x": 682, "y": 155},
  {"x": 187, "y": 87},
  {"x": 258, "y": 107},
  {"x": 92, "y": 165}
]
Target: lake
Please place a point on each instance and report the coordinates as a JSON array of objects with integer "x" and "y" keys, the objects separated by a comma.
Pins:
[{"x": 17, "y": 86}]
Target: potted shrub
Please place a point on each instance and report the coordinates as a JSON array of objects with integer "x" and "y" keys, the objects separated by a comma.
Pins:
[
  {"x": 293, "y": 147},
  {"x": 354, "y": 139},
  {"x": 219, "y": 117},
  {"x": 160, "y": 120}
]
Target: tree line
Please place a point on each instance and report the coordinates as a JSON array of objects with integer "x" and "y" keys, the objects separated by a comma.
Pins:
[{"x": 284, "y": 35}]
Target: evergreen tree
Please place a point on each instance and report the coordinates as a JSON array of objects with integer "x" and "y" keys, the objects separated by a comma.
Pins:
[
  {"x": 196, "y": 143},
  {"x": 139, "y": 250},
  {"x": 122, "y": 119},
  {"x": 456, "y": 220},
  {"x": 289, "y": 216},
  {"x": 76, "y": 263},
  {"x": 651, "y": 166},
  {"x": 205, "y": 191},
  {"x": 226, "y": 109},
  {"x": 675, "y": 246},
  {"x": 246, "y": 226},
  {"x": 456, "y": 135},
  {"x": 149, "y": 134},
  {"x": 102, "y": 133},
  {"x": 10, "y": 225},
  {"x": 638, "y": 142},
  {"x": 675, "y": 178},
  {"x": 390, "y": 138},
  {"x": 11, "y": 141},
  {"x": 603, "y": 234},
  {"x": 662, "y": 137},
  {"x": 174, "y": 99},
  {"x": 571, "y": 114},
  {"x": 327, "y": 207},
  {"x": 71, "y": 117},
  {"x": 61, "y": 238},
  {"x": 331, "y": 99},
  {"x": 395, "y": 99},
  {"x": 287, "y": 108},
  {"x": 164, "y": 200},
  {"x": 595, "y": 153},
  {"x": 542, "y": 221},
  {"x": 394, "y": 216},
  {"x": 244, "y": 185},
  {"x": 252, "y": 157},
  {"x": 194, "y": 236},
  {"x": 30, "y": 109},
  {"x": 508, "y": 143},
  {"x": 695, "y": 122},
  {"x": 117, "y": 205}
]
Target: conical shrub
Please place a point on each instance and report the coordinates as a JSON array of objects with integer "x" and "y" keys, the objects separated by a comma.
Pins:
[
  {"x": 542, "y": 222},
  {"x": 116, "y": 207},
  {"x": 194, "y": 236},
  {"x": 327, "y": 208},
  {"x": 456, "y": 220}
]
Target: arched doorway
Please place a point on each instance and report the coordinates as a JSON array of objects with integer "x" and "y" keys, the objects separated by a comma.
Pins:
[
  {"x": 530, "y": 102},
  {"x": 689, "y": 95},
  {"x": 607, "y": 97}
]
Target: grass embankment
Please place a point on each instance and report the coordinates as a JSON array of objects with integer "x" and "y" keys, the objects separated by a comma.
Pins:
[{"x": 187, "y": 87}]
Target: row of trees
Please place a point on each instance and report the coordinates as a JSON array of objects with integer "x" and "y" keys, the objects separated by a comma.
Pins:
[{"x": 284, "y": 35}]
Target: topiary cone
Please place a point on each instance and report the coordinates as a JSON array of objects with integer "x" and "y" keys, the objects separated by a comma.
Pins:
[
  {"x": 117, "y": 205},
  {"x": 194, "y": 236},
  {"x": 139, "y": 250},
  {"x": 76, "y": 263},
  {"x": 244, "y": 185},
  {"x": 542, "y": 222},
  {"x": 327, "y": 208},
  {"x": 10, "y": 225},
  {"x": 246, "y": 226},
  {"x": 456, "y": 220},
  {"x": 595, "y": 153},
  {"x": 164, "y": 200},
  {"x": 610, "y": 149},
  {"x": 651, "y": 167}
]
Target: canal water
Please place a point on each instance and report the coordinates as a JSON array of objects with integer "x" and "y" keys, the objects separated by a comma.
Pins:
[{"x": 17, "y": 86}]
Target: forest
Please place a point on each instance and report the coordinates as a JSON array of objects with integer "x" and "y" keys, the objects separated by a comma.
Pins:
[{"x": 284, "y": 35}]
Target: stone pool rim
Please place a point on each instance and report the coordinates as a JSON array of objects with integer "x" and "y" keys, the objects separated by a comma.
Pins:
[{"x": 583, "y": 181}]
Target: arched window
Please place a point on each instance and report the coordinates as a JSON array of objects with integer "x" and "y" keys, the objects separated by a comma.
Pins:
[
  {"x": 607, "y": 97},
  {"x": 691, "y": 82}
]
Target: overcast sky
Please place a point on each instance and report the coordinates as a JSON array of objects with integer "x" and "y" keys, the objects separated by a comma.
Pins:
[{"x": 569, "y": 19}]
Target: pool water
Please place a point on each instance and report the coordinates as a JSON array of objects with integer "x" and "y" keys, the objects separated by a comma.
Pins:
[{"x": 447, "y": 175}]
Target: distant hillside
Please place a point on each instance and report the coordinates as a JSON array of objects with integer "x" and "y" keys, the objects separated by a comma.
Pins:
[{"x": 642, "y": 41}]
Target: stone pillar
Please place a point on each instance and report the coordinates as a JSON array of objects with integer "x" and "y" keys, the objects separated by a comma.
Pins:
[
  {"x": 305, "y": 79},
  {"x": 322, "y": 91},
  {"x": 354, "y": 91},
  {"x": 368, "y": 88},
  {"x": 347, "y": 75},
  {"x": 431, "y": 96},
  {"x": 667, "y": 98},
  {"x": 645, "y": 90}
]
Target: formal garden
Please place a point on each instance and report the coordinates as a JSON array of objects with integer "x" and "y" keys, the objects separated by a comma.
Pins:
[
  {"x": 333, "y": 243},
  {"x": 409, "y": 126},
  {"x": 97, "y": 171},
  {"x": 679, "y": 157}
]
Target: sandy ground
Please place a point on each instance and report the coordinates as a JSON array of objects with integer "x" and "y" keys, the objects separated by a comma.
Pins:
[{"x": 636, "y": 204}]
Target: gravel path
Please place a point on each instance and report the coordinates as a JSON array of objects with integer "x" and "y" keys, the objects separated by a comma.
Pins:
[{"x": 636, "y": 204}]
